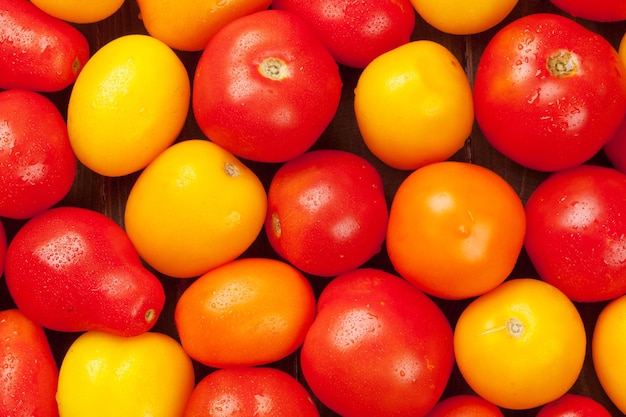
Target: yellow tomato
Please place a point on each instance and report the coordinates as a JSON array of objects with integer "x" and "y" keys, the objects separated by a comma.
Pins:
[
  {"x": 607, "y": 347},
  {"x": 520, "y": 345},
  {"x": 414, "y": 105},
  {"x": 79, "y": 11},
  {"x": 128, "y": 104},
  {"x": 463, "y": 17},
  {"x": 193, "y": 208},
  {"x": 103, "y": 375},
  {"x": 188, "y": 25}
]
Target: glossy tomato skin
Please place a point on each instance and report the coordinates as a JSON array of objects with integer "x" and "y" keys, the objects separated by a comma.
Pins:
[
  {"x": 548, "y": 92},
  {"x": 378, "y": 346},
  {"x": 23, "y": 63},
  {"x": 327, "y": 212},
  {"x": 72, "y": 269},
  {"x": 615, "y": 149},
  {"x": 275, "y": 90},
  {"x": 599, "y": 11},
  {"x": 576, "y": 232},
  {"x": 356, "y": 32},
  {"x": 37, "y": 164},
  {"x": 3, "y": 247},
  {"x": 573, "y": 405},
  {"x": 258, "y": 391},
  {"x": 465, "y": 405}
]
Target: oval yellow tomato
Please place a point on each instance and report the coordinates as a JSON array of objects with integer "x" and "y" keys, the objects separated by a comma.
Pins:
[
  {"x": 194, "y": 208},
  {"x": 79, "y": 11},
  {"x": 128, "y": 104},
  {"x": 414, "y": 105},
  {"x": 520, "y": 345},
  {"x": 104, "y": 375}
]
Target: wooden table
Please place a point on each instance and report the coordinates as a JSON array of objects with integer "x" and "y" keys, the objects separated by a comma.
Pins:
[{"x": 108, "y": 195}]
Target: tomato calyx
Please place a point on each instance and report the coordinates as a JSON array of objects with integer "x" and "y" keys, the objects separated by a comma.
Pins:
[
  {"x": 274, "y": 68},
  {"x": 562, "y": 64}
]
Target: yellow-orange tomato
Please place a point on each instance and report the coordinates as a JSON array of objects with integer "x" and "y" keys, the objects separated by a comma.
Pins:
[
  {"x": 455, "y": 229},
  {"x": 414, "y": 105},
  {"x": 193, "y": 208},
  {"x": 520, "y": 345},
  {"x": 188, "y": 25},
  {"x": 248, "y": 312},
  {"x": 79, "y": 11},
  {"x": 607, "y": 347},
  {"x": 464, "y": 17},
  {"x": 622, "y": 48},
  {"x": 104, "y": 375}
]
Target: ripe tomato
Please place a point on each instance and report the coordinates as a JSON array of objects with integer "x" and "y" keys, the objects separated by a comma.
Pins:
[
  {"x": 37, "y": 164},
  {"x": 104, "y": 375},
  {"x": 465, "y": 405},
  {"x": 377, "y": 347},
  {"x": 600, "y": 11},
  {"x": 193, "y": 208},
  {"x": 548, "y": 92},
  {"x": 247, "y": 312},
  {"x": 356, "y": 32},
  {"x": 128, "y": 104},
  {"x": 327, "y": 212},
  {"x": 615, "y": 149},
  {"x": 576, "y": 232},
  {"x": 413, "y": 105},
  {"x": 607, "y": 348},
  {"x": 464, "y": 17},
  {"x": 520, "y": 345},
  {"x": 250, "y": 391},
  {"x": 274, "y": 92},
  {"x": 573, "y": 405},
  {"x": 455, "y": 229},
  {"x": 3, "y": 248},
  {"x": 78, "y": 11}
]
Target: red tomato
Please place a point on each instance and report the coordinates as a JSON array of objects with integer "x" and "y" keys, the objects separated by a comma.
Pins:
[
  {"x": 600, "y": 10},
  {"x": 574, "y": 405},
  {"x": 378, "y": 347},
  {"x": 576, "y": 232},
  {"x": 37, "y": 164},
  {"x": 250, "y": 391},
  {"x": 465, "y": 405},
  {"x": 28, "y": 381},
  {"x": 355, "y": 32},
  {"x": 327, "y": 212},
  {"x": 615, "y": 149},
  {"x": 548, "y": 92},
  {"x": 275, "y": 90},
  {"x": 3, "y": 247},
  {"x": 72, "y": 269}
]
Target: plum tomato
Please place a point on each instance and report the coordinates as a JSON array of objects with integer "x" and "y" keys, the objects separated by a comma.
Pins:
[
  {"x": 377, "y": 347},
  {"x": 548, "y": 92},
  {"x": 356, "y": 32},
  {"x": 573, "y": 405},
  {"x": 327, "y": 212},
  {"x": 599, "y": 11},
  {"x": 274, "y": 92},
  {"x": 465, "y": 405},
  {"x": 576, "y": 232}
]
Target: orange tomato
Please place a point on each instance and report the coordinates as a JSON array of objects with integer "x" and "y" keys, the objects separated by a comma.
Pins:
[
  {"x": 520, "y": 345},
  {"x": 248, "y": 312},
  {"x": 187, "y": 25},
  {"x": 607, "y": 349},
  {"x": 455, "y": 229},
  {"x": 622, "y": 48},
  {"x": 414, "y": 105},
  {"x": 79, "y": 11}
]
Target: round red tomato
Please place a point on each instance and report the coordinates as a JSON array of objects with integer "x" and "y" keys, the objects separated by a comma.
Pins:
[
  {"x": 574, "y": 405},
  {"x": 465, "y": 405},
  {"x": 576, "y": 232},
  {"x": 3, "y": 247},
  {"x": 548, "y": 92},
  {"x": 377, "y": 347},
  {"x": 355, "y": 32},
  {"x": 615, "y": 149},
  {"x": 265, "y": 87},
  {"x": 326, "y": 212},
  {"x": 599, "y": 11}
]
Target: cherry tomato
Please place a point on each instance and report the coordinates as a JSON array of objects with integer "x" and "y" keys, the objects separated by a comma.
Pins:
[
  {"x": 275, "y": 90},
  {"x": 548, "y": 92},
  {"x": 327, "y": 212},
  {"x": 576, "y": 232},
  {"x": 377, "y": 347},
  {"x": 574, "y": 405},
  {"x": 356, "y": 32},
  {"x": 600, "y": 10},
  {"x": 465, "y": 405}
]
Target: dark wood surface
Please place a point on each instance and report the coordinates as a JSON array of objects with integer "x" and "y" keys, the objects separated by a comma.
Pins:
[{"x": 108, "y": 195}]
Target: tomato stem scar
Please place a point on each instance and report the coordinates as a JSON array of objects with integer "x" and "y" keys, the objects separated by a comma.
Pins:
[
  {"x": 276, "y": 225},
  {"x": 515, "y": 327},
  {"x": 231, "y": 169},
  {"x": 150, "y": 315},
  {"x": 273, "y": 68},
  {"x": 562, "y": 63}
]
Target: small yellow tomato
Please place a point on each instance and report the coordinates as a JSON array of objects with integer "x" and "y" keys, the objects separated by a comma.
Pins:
[
  {"x": 414, "y": 105},
  {"x": 128, "y": 104},
  {"x": 195, "y": 207},
  {"x": 104, "y": 375},
  {"x": 79, "y": 11}
]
